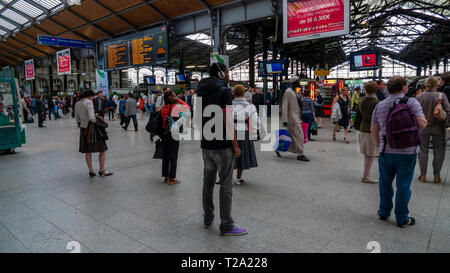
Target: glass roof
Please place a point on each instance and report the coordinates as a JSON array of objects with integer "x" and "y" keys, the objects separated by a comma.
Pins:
[
  {"x": 206, "y": 39},
  {"x": 16, "y": 15},
  {"x": 391, "y": 25}
]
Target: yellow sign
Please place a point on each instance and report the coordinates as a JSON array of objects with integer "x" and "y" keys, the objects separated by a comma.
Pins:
[{"x": 321, "y": 72}]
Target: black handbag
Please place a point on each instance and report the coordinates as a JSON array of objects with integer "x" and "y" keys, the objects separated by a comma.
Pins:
[{"x": 159, "y": 149}]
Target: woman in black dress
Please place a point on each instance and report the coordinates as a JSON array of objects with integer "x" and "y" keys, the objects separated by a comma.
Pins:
[
  {"x": 344, "y": 103},
  {"x": 84, "y": 115}
]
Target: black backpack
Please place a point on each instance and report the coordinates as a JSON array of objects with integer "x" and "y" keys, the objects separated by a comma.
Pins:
[{"x": 154, "y": 124}]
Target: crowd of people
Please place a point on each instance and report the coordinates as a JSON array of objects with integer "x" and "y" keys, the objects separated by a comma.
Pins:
[{"x": 394, "y": 128}]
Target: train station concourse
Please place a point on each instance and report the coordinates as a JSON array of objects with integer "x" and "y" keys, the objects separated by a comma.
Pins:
[{"x": 224, "y": 127}]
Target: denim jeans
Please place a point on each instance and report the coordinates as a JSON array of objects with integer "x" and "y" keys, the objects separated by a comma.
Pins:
[
  {"x": 222, "y": 162},
  {"x": 308, "y": 118},
  {"x": 390, "y": 166}
]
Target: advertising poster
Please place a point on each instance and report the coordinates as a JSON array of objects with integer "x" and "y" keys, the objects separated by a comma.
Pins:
[
  {"x": 63, "y": 62},
  {"x": 102, "y": 81},
  {"x": 29, "y": 70},
  {"x": 314, "y": 19}
]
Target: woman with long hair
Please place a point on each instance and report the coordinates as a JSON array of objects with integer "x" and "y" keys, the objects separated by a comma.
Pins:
[
  {"x": 84, "y": 115},
  {"x": 173, "y": 108},
  {"x": 435, "y": 129},
  {"x": 344, "y": 103}
]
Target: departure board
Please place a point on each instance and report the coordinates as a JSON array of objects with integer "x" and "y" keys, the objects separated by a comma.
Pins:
[
  {"x": 147, "y": 48},
  {"x": 142, "y": 51},
  {"x": 117, "y": 55}
]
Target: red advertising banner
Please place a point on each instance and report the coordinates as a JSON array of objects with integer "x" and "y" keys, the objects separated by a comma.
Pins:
[
  {"x": 29, "y": 70},
  {"x": 63, "y": 62},
  {"x": 313, "y": 19}
]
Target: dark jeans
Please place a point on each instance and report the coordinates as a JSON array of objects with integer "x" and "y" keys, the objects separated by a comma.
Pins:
[
  {"x": 170, "y": 157},
  {"x": 111, "y": 113},
  {"x": 308, "y": 118},
  {"x": 25, "y": 115},
  {"x": 41, "y": 117},
  {"x": 127, "y": 122},
  {"x": 402, "y": 167},
  {"x": 222, "y": 162},
  {"x": 122, "y": 119}
]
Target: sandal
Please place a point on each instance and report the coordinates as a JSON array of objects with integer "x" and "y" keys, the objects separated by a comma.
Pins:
[
  {"x": 241, "y": 181},
  {"x": 102, "y": 173},
  {"x": 92, "y": 174},
  {"x": 174, "y": 182}
]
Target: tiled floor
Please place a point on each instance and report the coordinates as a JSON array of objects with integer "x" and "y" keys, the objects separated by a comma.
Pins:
[{"x": 47, "y": 200}]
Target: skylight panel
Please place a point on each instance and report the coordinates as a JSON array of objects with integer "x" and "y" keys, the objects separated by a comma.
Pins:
[
  {"x": 6, "y": 24},
  {"x": 15, "y": 16},
  {"x": 27, "y": 8},
  {"x": 48, "y": 4}
]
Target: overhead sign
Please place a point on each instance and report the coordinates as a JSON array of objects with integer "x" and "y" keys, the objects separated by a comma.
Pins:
[
  {"x": 148, "y": 48},
  {"x": 272, "y": 68},
  {"x": 321, "y": 72},
  {"x": 63, "y": 62},
  {"x": 314, "y": 19},
  {"x": 102, "y": 80},
  {"x": 56, "y": 41},
  {"x": 29, "y": 70},
  {"x": 117, "y": 55}
]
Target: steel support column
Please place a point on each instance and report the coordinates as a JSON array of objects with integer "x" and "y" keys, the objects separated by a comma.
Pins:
[{"x": 251, "y": 55}]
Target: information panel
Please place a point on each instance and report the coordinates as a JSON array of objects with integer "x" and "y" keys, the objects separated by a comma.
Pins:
[
  {"x": 314, "y": 19},
  {"x": 147, "y": 48},
  {"x": 117, "y": 55},
  {"x": 142, "y": 51}
]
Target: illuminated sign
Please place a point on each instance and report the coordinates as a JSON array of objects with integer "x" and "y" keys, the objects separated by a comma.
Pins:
[{"x": 314, "y": 19}]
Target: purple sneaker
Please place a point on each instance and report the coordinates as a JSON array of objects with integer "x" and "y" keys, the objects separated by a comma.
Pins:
[{"x": 236, "y": 231}]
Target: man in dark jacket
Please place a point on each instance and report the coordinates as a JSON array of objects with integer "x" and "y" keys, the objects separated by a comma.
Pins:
[
  {"x": 99, "y": 104},
  {"x": 445, "y": 84},
  {"x": 219, "y": 146},
  {"x": 51, "y": 107},
  {"x": 40, "y": 109},
  {"x": 380, "y": 91},
  {"x": 258, "y": 98}
]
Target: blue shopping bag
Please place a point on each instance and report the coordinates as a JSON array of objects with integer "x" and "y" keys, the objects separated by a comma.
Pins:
[{"x": 282, "y": 140}]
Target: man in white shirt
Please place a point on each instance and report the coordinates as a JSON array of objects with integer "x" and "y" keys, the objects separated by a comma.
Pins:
[
  {"x": 249, "y": 95},
  {"x": 116, "y": 101}
]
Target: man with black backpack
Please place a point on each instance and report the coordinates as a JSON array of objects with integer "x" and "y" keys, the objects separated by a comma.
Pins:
[
  {"x": 395, "y": 128},
  {"x": 219, "y": 146}
]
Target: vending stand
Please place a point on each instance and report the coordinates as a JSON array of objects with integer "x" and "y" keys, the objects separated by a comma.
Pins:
[
  {"x": 12, "y": 135},
  {"x": 329, "y": 90}
]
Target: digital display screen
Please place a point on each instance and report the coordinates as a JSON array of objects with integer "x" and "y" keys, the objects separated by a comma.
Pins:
[
  {"x": 364, "y": 61},
  {"x": 117, "y": 55},
  {"x": 146, "y": 48},
  {"x": 274, "y": 68},
  {"x": 142, "y": 51},
  {"x": 150, "y": 80},
  {"x": 180, "y": 77}
]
